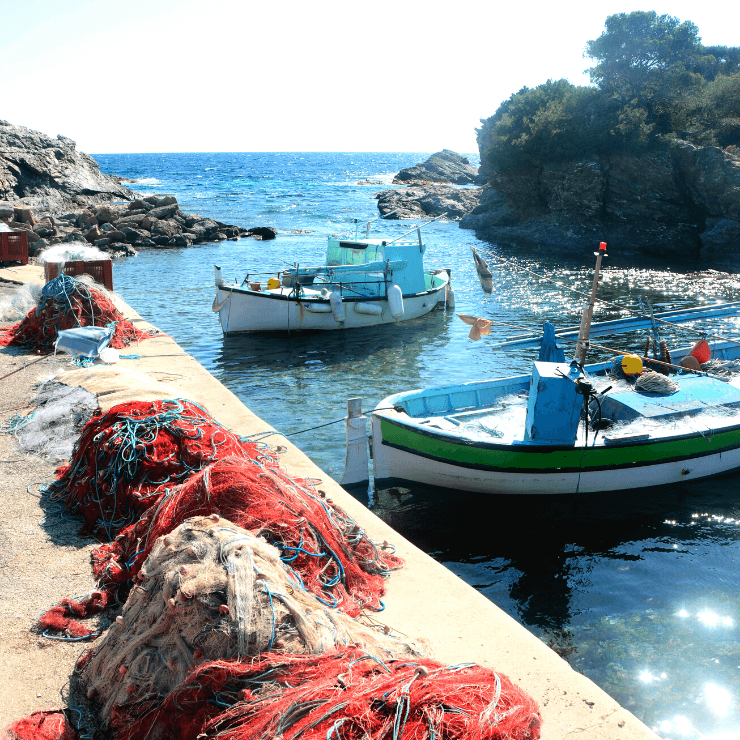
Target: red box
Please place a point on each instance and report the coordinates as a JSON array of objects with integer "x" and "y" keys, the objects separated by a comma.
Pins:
[
  {"x": 100, "y": 270},
  {"x": 14, "y": 246}
]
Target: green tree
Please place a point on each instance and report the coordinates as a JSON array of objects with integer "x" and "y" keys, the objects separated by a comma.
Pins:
[
  {"x": 711, "y": 117},
  {"x": 555, "y": 122},
  {"x": 648, "y": 59}
]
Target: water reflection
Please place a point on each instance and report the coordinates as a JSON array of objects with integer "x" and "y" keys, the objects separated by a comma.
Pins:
[{"x": 621, "y": 585}]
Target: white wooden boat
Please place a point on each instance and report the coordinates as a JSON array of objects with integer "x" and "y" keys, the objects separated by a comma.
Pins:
[
  {"x": 365, "y": 282},
  {"x": 567, "y": 428}
]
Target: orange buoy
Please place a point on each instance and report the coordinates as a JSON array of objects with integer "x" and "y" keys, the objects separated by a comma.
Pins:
[{"x": 701, "y": 351}]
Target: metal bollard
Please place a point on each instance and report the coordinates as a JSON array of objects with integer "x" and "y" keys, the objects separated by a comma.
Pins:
[{"x": 356, "y": 462}]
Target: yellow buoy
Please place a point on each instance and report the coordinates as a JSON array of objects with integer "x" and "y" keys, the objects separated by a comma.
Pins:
[
  {"x": 273, "y": 283},
  {"x": 631, "y": 365}
]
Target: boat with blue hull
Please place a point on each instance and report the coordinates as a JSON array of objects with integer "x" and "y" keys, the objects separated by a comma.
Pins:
[
  {"x": 366, "y": 281},
  {"x": 570, "y": 427}
]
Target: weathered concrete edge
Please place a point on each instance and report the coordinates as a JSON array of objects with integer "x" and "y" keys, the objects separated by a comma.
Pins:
[{"x": 424, "y": 599}]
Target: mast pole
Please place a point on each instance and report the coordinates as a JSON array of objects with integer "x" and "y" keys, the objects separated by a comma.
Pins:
[{"x": 585, "y": 328}]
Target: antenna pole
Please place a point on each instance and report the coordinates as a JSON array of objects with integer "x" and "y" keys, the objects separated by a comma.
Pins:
[{"x": 588, "y": 312}]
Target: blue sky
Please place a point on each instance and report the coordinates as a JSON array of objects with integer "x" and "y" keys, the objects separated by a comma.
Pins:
[{"x": 248, "y": 75}]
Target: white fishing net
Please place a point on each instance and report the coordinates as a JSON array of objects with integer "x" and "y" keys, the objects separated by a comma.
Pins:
[
  {"x": 14, "y": 305},
  {"x": 210, "y": 590},
  {"x": 70, "y": 251},
  {"x": 60, "y": 412}
]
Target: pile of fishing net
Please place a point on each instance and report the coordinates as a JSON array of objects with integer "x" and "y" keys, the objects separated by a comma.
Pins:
[
  {"x": 46, "y": 724},
  {"x": 126, "y": 459},
  {"x": 345, "y": 694},
  {"x": 210, "y": 590},
  {"x": 331, "y": 555},
  {"x": 53, "y": 427},
  {"x": 67, "y": 303},
  {"x": 650, "y": 381}
]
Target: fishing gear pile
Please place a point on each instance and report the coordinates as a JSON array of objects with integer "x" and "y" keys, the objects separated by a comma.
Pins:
[
  {"x": 341, "y": 694},
  {"x": 330, "y": 554},
  {"x": 45, "y": 724},
  {"x": 67, "y": 303},
  {"x": 212, "y": 591},
  {"x": 650, "y": 381},
  {"x": 126, "y": 459},
  {"x": 333, "y": 556}
]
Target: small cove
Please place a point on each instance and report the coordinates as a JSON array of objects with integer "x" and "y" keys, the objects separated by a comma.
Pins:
[{"x": 638, "y": 591}]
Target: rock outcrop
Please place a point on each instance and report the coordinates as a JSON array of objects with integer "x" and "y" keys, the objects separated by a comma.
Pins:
[
  {"x": 50, "y": 175},
  {"x": 74, "y": 202},
  {"x": 432, "y": 189},
  {"x": 153, "y": 222},
  {"x": 678, "y": 202},
  {"x": 444, "y": 167},
  {"x": 420, "y": 201}
]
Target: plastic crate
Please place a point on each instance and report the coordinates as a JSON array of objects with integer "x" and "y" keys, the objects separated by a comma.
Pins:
[
  {"x": 100, "y": 270},
  {"x": 14, "y": 246}
]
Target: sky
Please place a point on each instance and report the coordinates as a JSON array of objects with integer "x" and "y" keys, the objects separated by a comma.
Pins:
[{"x": 280, "y": 75}]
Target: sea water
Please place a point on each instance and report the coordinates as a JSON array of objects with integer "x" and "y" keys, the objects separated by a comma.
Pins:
[{"x": 638, "y": 590}]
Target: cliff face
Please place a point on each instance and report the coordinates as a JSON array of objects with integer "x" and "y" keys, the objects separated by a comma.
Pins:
[
  {"x": 682, "y": 201},
  {"x": 50, "y": 175}
]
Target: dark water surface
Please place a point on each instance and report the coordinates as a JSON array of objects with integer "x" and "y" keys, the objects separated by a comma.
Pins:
[{"x": 638, "y": 590}]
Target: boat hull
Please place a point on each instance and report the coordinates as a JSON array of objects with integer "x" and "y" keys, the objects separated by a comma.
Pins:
[
  {"x": 244, "y": 310},
  {"x": 408, "y": 446},
  {"x": 400, "y": 452}
]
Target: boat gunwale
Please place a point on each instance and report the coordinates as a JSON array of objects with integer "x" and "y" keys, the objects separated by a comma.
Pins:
[
  {"x": 345, "y": 299},
  {"x": 613, "y": 448},
  {"x": 536, "y": 447}
]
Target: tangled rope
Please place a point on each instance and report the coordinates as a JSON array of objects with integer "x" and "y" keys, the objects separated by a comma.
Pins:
[
  {"x": 67, "y": 303},
  {"x": 341, "y": 694},
  {"x": 213, "y": 591}
]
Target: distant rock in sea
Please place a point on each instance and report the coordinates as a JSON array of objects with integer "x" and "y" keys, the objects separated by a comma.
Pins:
[
  {"x": 433, "y": 188},
  {"x": 420, "y": 201},
  {"x": 58, "y": 195},
  {"x": 443, "y": 167},
  {"x": 153, "y": 222}
]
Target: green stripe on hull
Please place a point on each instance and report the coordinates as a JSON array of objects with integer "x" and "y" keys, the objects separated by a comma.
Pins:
[{"x": 535, "y": 459}]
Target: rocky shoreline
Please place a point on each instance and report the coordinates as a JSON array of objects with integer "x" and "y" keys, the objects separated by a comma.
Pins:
[
  {"x": 153, "y": 222},
  {"x": 58, "y": 195},
  {"x": 681, "y": 203}
]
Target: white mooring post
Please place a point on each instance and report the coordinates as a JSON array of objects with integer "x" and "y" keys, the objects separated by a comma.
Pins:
[{"x": 356, "y": 463}]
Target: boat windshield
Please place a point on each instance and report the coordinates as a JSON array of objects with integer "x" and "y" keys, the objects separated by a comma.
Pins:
[{"x": 352, "y": 253}]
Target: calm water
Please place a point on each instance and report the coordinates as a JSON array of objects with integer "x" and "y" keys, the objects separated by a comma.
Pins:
[{"x": 639, "y": 591}]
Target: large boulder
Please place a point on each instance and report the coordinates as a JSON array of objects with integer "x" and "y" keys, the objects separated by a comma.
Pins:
[
  {"x": 50, "y": 174},
  {"x": 445, "y": 167}
]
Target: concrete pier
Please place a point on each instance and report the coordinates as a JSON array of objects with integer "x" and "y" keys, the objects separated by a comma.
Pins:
[{"x": 423, "y": 600}]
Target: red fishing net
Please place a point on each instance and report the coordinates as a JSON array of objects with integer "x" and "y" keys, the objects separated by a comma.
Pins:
[
  {"x": 46, "y": 724},
  {"x": 126, "y": 459},
  {"x": 342, "y": 694},
  {"x": 123, "y": 463},
  {"x": 328, "y": 551},
  {"x": 333, "y": 556},
  {"x": 67, "y": 303}
]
